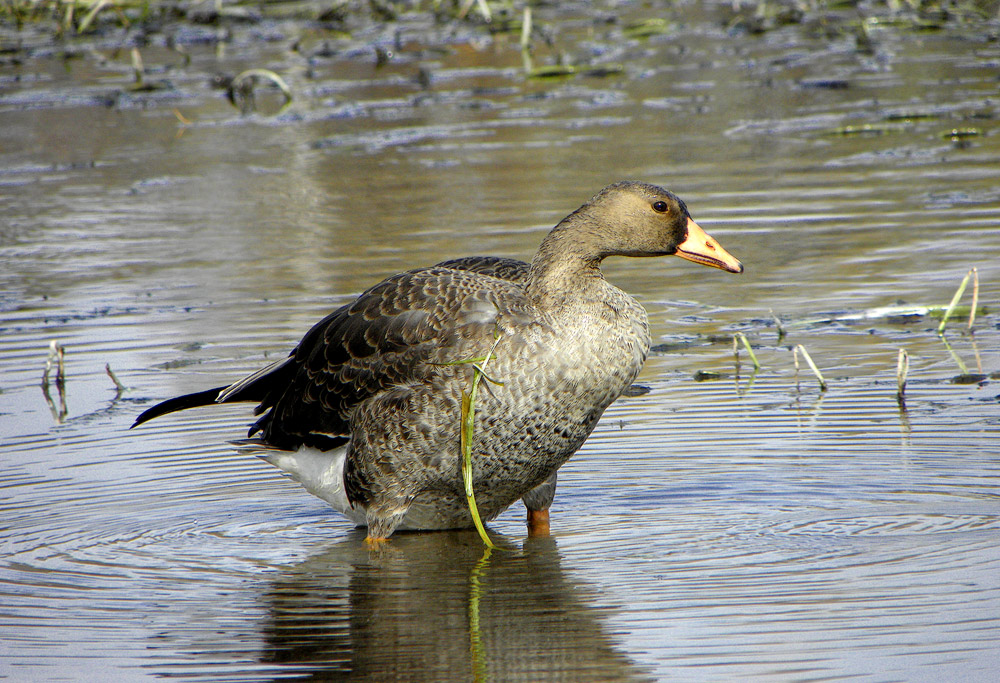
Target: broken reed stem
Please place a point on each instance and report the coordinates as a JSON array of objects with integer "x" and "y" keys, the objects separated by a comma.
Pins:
[
  {"x": 526, "y": 29},
  {"x": 954, "y": 302},
  {"x": 481, "y": 5},
  {"x": 526, "y": 62},
  {"x": 975, "y": 297},
  {"x": 902, "y": 368},
  {"x": 56, "y": 357},
  {"x": 778, "y": 325},
  {"x": 89, "y": 18},
  {"x": 265, "y": 74},
  {"x": 137, "y": 68},
  {"x": 746, "y": 344},
  {"x": 119, "y": 387},
  {"x": 805, "y": 354},
  {"x": 468, "y": 424}
]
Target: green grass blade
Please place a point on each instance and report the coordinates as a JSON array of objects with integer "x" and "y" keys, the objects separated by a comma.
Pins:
[
  {"x": 467, "y": 433},
  {"x": 819, "y": 375},
  {"x": 746, "y": 344},
  {"x": 975, "y": 296},
  {"x": 954, "y": 302}
]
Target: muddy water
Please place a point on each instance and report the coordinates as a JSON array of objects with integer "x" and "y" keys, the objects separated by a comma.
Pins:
[{"x": 747, "y": 524}]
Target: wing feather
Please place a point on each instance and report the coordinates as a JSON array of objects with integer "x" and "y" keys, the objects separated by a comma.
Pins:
[{"x": 397, "y": 332}]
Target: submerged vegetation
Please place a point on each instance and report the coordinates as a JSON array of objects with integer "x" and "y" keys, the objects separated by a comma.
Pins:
[
  {"x": 900, "y": 314},
  {"x": 755, "y": 16},
  {"x": 538, "y": 29},
  {"x": 556, "y": 41}
]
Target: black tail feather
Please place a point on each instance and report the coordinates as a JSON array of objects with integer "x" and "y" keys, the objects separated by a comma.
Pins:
[
  {"x": 200, "y": 398},
  {"x": 264, "y": 386}
]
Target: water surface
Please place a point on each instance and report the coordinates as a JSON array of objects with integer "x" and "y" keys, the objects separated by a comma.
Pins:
[{"x": 746, "y": 525}]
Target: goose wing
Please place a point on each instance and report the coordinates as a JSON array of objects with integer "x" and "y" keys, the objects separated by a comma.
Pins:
[{"x": 400, "y": 331}]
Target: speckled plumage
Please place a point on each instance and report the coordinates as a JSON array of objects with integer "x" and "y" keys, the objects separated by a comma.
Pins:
[{"x": 380, "y": 381}]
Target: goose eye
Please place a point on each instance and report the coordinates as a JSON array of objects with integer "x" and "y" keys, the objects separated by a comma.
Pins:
[{"x": 660, "y": 207}]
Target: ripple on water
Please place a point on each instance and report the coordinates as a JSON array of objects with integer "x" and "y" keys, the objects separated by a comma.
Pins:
[
  {"x": 889, "y": 524},
  {"x": 800, "y": 527},
  {"x": 716, "y": 530}
]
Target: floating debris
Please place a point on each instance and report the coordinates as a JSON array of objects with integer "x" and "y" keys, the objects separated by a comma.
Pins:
[
  {"x": 636, "y": 390},
  {"x": 552, "y": 71},
  {"x": 867, "y": 129},
  {"x": 897, "y": 313},
  {"x": 911, "y": 117},
  {"x": 961, "y": 134},
  {"x": 603, "y": 70},
  {"x": 825, "y": 83},
  {"x": 240, "y": 89},
  {"x": 655, "y": 26},
  {"x": 968, "y": 378}
]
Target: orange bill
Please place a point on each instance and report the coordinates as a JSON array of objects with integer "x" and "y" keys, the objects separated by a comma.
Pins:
[{"x": 701, "y": 248}]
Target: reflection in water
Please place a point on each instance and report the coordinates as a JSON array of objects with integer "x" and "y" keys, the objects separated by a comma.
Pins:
[{"x": 437, "y": 607}]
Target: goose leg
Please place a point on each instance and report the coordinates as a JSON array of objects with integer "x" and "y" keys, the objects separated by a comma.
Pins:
[
  {"x": 537, "y": 502},
  {"x": 381, "y": 526}
]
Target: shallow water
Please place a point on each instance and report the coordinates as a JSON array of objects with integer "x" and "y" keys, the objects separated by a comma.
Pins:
[{"x": 746, "y": 525}]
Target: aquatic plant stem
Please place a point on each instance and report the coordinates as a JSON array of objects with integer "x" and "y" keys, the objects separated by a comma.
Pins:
[
  {"x": 805, "y": 354},
  {"x": 902, "y": 369},
  {"x": 481, "y": 5},
  {"x": 778, "y": 325},
  {"x": 975, "y": 297},
  {"x": 88, "y": 19},
  {"x": 137, "y": 68},
  {"x": 243, "y": 82},
  {"x": 746, "y": 344},
  {"x": 954, "y": 302},
  {"x": 468, "y": 424},
  {"x": 526, "y": 29},
  {"x": 119, "y": 387},
  {"x": 56, "y": 357}
]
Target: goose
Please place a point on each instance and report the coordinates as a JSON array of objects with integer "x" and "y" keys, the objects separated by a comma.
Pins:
[{"x": 365, "y": 411}]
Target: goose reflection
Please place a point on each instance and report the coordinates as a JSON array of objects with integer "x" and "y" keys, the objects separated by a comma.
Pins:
[{"x": 438, "y": 607}]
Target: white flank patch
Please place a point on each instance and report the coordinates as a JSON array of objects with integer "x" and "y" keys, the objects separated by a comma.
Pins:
[{"x": 321, "y": 473}]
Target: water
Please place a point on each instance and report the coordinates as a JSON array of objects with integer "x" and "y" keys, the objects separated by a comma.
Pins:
[{"x": 748, "y": 525}]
